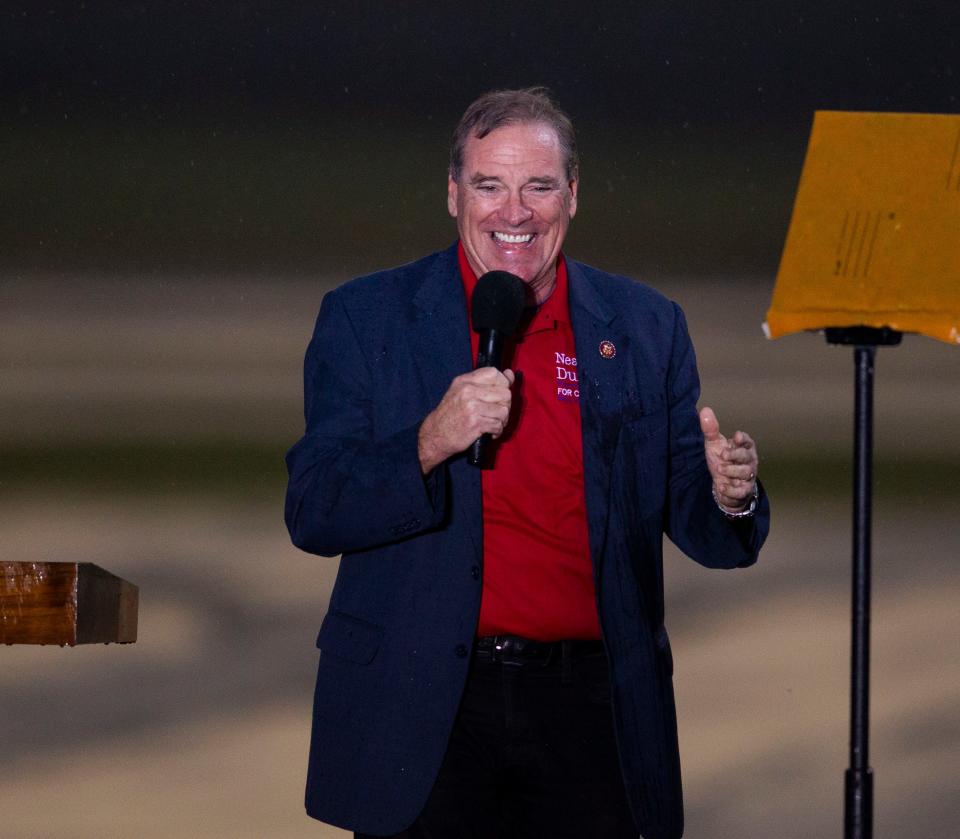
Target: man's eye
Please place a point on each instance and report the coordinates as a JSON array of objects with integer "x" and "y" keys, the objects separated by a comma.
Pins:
[{"x": 486, "y": 187}]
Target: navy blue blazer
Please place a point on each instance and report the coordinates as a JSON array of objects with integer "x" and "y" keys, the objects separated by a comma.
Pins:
[{"x": 396, "y": 640}]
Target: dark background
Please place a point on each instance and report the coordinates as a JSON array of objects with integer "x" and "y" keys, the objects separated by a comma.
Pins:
[{"x": 296, "y": 137}]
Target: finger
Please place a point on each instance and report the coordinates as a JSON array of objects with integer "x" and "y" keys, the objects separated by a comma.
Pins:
[
  {"x": 741, "y": 438},
  {"x": 492, "y": 410},
  {"x": 709, "y": 425},
  {"x": 494, "y": 424},
  {"x": 494, "y": 378},
  {"x": 738, "y": 492},
  {"x": 739, "y": 454},
  {"x": 488, "y": 417},
  {"x": 477, "y": 424},
  {"x": 487, "y": 393},
  {"x": 482, "y": 375},
  {"x": 738, "y": 471}
]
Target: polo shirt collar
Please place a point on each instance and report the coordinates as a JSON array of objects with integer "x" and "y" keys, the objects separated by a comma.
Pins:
[{"x": 554, "y": 309}]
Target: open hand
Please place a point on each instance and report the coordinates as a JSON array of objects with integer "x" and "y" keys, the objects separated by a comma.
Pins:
[{"x": 733, "y": 463}]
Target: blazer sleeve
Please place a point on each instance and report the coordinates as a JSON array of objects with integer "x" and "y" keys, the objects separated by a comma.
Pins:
[
  {"x": 693, "y": 521},
  {"x": 349, "y": 488}
]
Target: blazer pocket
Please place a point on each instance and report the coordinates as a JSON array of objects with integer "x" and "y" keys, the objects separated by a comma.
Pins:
[{"x": 349, "y": 637}]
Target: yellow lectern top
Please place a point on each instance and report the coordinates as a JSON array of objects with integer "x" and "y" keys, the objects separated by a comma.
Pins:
[{"x": 874, "y": 239}]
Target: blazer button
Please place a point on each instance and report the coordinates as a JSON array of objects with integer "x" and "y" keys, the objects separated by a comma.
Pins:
[
  {"x": 475, "y": 572},
  {"x": 461, "y": 651}
]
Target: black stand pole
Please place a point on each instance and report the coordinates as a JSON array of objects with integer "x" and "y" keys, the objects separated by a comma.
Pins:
[
  {"x": 858, "y": 798},
  {"x": 858, "y": 792}
]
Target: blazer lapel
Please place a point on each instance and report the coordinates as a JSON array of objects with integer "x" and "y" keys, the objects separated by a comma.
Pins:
[
  {"x": 441, "y": 331},
  {"x": 442, "y": 338},
  {"x": 603, "y": 346}
]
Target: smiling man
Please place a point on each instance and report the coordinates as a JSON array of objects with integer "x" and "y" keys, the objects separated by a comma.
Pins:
[
  {"x": 513, "y": 197},
  {"x": 494, "y": 660}
]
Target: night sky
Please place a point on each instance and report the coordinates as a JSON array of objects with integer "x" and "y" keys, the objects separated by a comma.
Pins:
[
  {"x": 661, "y": 61},
  {"x": 135, "y": 90}
]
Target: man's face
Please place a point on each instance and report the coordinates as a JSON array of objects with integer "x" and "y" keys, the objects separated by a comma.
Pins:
[{"x": 513, "y": 203}]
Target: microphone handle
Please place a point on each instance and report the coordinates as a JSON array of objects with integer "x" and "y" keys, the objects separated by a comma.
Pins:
[{"x": 489, "y": 354}]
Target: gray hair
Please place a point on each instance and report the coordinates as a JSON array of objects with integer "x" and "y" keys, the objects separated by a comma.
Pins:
[{"x": 510, "y": 107}]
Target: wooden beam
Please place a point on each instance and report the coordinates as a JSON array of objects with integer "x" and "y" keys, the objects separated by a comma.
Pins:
[{"x": 65, "y": 603}]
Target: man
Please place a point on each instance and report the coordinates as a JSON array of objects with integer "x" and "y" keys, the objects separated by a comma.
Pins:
[{"x": 494, "y": 660}]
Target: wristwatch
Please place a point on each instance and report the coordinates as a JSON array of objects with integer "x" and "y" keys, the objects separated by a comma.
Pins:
[{"x": 749, "y": 510}]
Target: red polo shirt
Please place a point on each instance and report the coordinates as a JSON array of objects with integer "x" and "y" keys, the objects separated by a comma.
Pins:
[{"x": 537, "y": 573}]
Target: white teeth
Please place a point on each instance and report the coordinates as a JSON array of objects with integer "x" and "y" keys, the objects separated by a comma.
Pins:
[{"x": 517, "y": 239}]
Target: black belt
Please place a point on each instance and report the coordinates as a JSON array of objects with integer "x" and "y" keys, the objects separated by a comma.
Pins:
[{"x": 524, "y": 652}]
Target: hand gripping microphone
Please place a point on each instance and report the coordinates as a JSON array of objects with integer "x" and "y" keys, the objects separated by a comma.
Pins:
[{"x": 496, "y": 308}]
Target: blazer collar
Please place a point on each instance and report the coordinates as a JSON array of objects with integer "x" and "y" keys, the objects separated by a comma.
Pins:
[{"x": 598, "y": 330}]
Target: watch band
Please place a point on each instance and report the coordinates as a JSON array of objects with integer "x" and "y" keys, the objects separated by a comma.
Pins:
[{"x": 750, "y": 509}]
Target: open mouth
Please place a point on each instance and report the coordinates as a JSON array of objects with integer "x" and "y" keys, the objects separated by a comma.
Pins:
[{"x": 512, "y": 238}]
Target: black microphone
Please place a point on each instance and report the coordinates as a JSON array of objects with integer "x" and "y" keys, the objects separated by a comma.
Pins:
[{"x": 496, "y": 308}]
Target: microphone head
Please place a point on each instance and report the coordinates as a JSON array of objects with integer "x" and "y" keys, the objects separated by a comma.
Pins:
[{"x": 497, "y": 302}]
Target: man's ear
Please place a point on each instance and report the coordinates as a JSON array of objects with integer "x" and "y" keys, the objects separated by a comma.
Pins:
[
  {"x": 574, "y": 186},
  {"x": 452, "y": 192}
]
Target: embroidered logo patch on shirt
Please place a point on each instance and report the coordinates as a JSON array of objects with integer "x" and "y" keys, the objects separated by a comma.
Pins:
[{"x": 568, "y": 390}]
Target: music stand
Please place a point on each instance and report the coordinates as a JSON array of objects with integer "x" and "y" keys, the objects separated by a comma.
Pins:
[{"x": 872, "y": 251}]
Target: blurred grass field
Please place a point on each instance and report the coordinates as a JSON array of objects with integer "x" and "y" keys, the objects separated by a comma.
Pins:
[{"x": 143, "y": 421}]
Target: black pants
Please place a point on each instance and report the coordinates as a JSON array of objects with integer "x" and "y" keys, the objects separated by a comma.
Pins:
[{"x": 532, "y": 755}]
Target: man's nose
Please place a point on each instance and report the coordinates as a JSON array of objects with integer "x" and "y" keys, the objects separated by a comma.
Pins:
[{"x": 515, "y": 211}]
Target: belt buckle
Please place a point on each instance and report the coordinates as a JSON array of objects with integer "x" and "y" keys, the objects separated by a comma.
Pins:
[
  {"x": 513, "y": 651},
  {"x": 502, "y": 652},
  {"x": 520, "y": 652}
]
